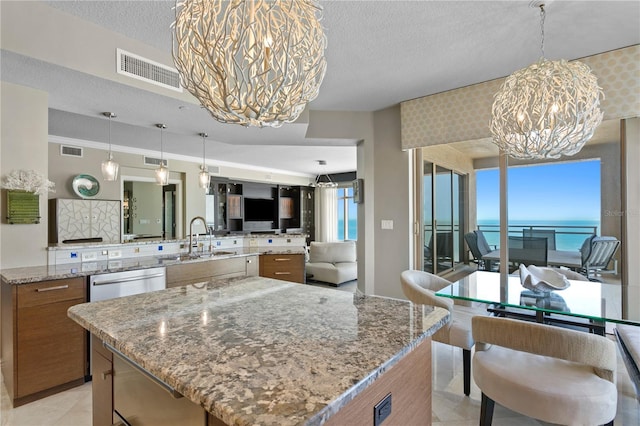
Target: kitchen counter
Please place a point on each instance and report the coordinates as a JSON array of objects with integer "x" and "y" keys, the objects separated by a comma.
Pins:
[
  {"x": 15, "y": 276},
  {"x": 262, "y": 351}
]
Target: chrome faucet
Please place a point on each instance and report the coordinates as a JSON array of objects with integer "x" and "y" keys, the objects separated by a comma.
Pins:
[{"x": 204, "y": 223}]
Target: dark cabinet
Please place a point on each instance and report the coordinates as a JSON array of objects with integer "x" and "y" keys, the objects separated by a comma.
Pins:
[
  {"x": 227, "y": 206},
  {"x": 260, "y": 207}
]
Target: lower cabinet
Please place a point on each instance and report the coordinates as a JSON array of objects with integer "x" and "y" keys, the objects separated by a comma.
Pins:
[
  {"x": 102, "y": 384},
  {"x": 199, "y": 271},
  {"x": 286, "y": 267},
  {"x": 43, "y": 350}
]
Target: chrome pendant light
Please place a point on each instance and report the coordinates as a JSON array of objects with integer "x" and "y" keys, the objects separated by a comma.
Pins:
[
  {"x": 203, "y": 177},
  {"x": 250, "y": 62},
  {"x": 110, "y": 167},
  {"x": 162, "y": 172},
  {"x": 548, "y": 109},
  {"x": 325, "y": 182}
]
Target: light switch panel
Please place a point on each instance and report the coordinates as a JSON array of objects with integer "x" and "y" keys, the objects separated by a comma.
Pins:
[{"x": 387, "y": 224}]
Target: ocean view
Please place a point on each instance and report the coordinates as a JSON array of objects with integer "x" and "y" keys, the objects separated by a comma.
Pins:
[{"x": 570, "y": 234}]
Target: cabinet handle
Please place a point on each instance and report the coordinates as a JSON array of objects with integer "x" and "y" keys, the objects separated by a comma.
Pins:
[
  {"x": 58, "y": 287},
  {"x": 106, "y": 373},
  {"x": 282, "y": 259},
  {"x": 283, "y": 273}
]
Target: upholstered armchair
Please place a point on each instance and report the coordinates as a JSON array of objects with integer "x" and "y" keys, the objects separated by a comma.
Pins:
[
  {"x": 420, "y": 288},
  {"x": 545, "y": 372}
]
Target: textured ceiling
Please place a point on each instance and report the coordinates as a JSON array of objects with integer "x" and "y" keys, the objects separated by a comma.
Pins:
[{"x": 379, "y": 54}]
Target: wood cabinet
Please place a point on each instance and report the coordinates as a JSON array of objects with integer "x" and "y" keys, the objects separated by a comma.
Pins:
[
  {"x": 102, "y": 384},
  {"x": 196, "y": 272},
  {"x": 43, "y": 350},
  {"x": 286, "y": 267}
]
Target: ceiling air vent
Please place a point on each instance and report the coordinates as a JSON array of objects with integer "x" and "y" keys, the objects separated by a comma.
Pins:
[
  {"x": 152, "y": 161},
  {"x": 214, "y": 170},
  {"x": 147, "y": 70},
  {"x": 70, "y": 151}
]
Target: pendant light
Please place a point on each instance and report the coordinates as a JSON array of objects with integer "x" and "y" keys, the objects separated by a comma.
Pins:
[
  {"x": 110, "y": 167},
  {"x": 327, "y": 182},
  {"x": 203, "y": 177},
  {"x": 254, "y": 62},
  {"x": 162, "y": 172},
  {"x": 548, "y": 109}
]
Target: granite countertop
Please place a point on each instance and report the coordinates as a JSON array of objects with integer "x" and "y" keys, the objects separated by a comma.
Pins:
[
  {"x": 261, "y": 351},
  {"x": 31, "y": 274}
]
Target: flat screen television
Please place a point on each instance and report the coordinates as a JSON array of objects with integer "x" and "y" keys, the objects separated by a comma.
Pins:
[{"x": 259, "y": 209}]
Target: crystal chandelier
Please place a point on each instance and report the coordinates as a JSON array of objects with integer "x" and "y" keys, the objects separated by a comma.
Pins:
[
  {"x": 548, "y": 109},
  {"x": 203, "y": 177},
  {"x": 162, "y": 172},
  {"x": 110, "y": 167},
  {"x": 250, "y": 62}
]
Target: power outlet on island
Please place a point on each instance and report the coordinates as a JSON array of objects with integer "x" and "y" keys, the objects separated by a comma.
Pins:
[{"x": 382, "y": 410}]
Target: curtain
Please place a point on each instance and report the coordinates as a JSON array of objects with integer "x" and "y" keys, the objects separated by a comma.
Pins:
[{"x": 326, "y": 214}]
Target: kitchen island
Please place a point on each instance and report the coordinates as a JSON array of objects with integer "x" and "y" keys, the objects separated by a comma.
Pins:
[{"x": 268, "y": 352}]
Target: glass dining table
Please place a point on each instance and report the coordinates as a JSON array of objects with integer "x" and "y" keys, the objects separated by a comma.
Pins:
[{"x": 586, "y": 304}]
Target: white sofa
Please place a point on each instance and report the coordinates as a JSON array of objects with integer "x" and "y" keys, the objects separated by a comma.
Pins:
[{"x": 332, "y": 262}]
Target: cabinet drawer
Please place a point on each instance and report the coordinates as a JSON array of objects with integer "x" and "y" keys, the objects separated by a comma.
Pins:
[
  {"x": 287, "y": 267},
  {"x": 51, "y": 291}
]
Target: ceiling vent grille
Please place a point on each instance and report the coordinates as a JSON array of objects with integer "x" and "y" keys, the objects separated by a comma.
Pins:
[
  {"x": 153, "y": 161},
  {"x": 147, "y": 70},
  {"x": 71, "y": 151},
  {"x": 214, "y": 170}
]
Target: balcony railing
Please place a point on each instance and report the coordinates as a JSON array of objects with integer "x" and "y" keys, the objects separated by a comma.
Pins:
[{"x": 568, "y": 237}]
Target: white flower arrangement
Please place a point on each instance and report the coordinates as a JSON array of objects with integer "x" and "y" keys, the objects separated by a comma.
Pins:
[{"x": 28, "y": 180}]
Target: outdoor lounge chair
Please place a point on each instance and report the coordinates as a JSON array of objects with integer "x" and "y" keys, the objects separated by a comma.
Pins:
[
  {"x": 479, "y": 247},
  {"x": 597, "y": 253}
]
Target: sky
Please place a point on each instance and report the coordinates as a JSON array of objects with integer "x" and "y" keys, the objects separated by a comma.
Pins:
[{"x": 557, "y": 192}]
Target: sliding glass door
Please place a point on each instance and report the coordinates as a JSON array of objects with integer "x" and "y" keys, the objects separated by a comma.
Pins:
[{"x": 443, "y": 208}]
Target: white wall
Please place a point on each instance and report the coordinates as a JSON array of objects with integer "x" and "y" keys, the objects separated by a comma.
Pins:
[
  {"x": 23, "y": 145},
  {"x": 391, "y": 189}
]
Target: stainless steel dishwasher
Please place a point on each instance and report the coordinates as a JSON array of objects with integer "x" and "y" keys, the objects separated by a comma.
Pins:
[
  {"x": 127, "y": 283},
  {"x": 120, "y": 284}
]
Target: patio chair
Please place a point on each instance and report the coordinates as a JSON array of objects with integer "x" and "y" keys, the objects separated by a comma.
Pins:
[
  {"x": 420, "y": 287},
  {"x": 545, "y": 372},
  {"x": 528, "y": 250},
  {"x": 471, "y": 239},
  {"x": 597, "y": 253},
  {"x": 549, "y": 234}
]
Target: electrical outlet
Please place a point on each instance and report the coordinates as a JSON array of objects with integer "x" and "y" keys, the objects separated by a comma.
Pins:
[
  {"x": 382, "y": 410},
  {"x": 114, "y": 254},
  {"x": 91, "y": 255}
]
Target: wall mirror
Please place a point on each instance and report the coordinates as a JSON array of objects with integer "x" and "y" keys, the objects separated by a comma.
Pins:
[{"x": 151, "y": 211}]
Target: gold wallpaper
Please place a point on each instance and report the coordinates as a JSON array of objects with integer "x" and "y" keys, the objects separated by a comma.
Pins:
[{"x": 465, "y": 113}]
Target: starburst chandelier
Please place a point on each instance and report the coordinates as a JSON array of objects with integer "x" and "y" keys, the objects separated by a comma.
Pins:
[
  {"x": 250, "y": 62},
  {"x": 548, "y": 109}
]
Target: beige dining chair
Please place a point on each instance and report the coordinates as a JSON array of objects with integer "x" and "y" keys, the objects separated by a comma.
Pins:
[
  {"x": 420, "y": 287},
  {"x": 549, "y": 373}
]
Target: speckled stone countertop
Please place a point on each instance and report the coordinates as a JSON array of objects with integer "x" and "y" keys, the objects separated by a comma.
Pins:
[
  {"x": 31, "y": 274},
  {"x": 261, "y": 351}
]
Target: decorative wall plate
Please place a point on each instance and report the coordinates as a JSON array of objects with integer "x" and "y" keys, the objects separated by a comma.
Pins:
[{"x": 86, "y": 186}]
